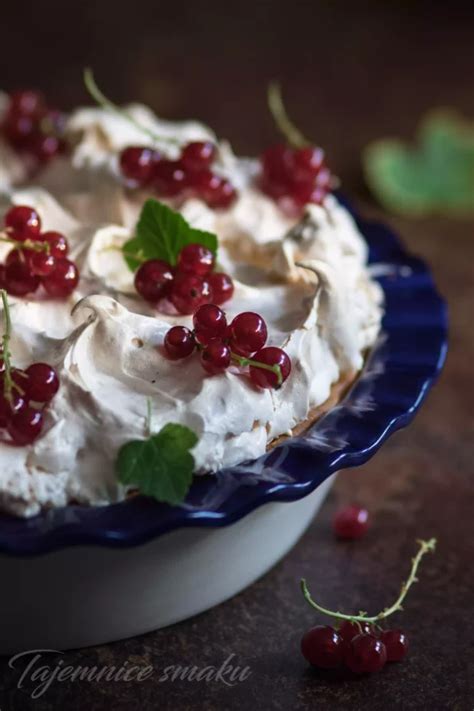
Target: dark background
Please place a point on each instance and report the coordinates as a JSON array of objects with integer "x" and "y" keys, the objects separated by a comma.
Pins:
[{"x": 352, "y": 72}]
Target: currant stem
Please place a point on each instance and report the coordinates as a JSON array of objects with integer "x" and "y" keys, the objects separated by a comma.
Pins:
[
  {"x": 425, "y": 547},
  {"x": 243, "y": 362},
  {"x": 33, "y": 245},
  {"x": 277, "y": 108},
  {"x": 103, "y": 101},
  {"x": 149, "y": 415},
  {"x": 7, "y": 378}
]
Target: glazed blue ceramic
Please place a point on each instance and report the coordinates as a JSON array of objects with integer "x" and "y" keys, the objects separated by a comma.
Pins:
[{"x": 398, "y": 374}]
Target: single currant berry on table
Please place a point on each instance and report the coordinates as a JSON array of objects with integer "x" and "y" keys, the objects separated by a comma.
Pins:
[
  {"x": 169, "y": 178},
  {"x": 179, "y": 342},
  {"x": 248, "y": 333},
  {"x": 195, "y": 259},
  {"x": 209, "y": 322},
  {"x": 189, "y": 292},
  {"x": 58, "y": 244},
  {"x": 348, "y": 630},
  {"x": 26, "y": 102},
  {"x": 198, "y": 155},
  {"x": 19, "y": 281},
  {"x": 365, "y": 654},
  {"x": 10, "y": 406},
  {"x": 23, "y": 222},
  {"x": 41, "y": 263},
  {"x": 42, "y": 382},
  {"x": 25, "y": 426},
  {"x": 138, "y": 163},
  {"x": 396, "y": 644},
  {"x": 322, "y": 647},
  {"x": 216, "y": 356},
  {"x": 222, "y": 287},
  {"x": 63, "y": 280},
  {"x": 153, "y": 280},
  {"x": 351, "y": 523},
  {"x": 274, "y": 357}
]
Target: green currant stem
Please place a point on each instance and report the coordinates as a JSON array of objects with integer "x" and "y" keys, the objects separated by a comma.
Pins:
[
  {"x": 149, "y": 415},
  {"x": 244, "y": 362},
  {"x": 277, "y": 108},
  {"x": 137, "y": 255},
  {"x": 33, "y": 245},
  {"x": 7, "y": 378},
  {"x": 425, "y": 546},
  {"x": 103, "y": 101}
]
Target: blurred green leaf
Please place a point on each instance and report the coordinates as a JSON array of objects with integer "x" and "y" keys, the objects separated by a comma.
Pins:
[{"x": 437, "y": 175}]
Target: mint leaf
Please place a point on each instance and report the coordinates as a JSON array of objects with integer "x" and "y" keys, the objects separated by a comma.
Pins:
[
  {"x": 160, "y": 466},
  {"x": 437, "y": 175},
  {"x": 161, "y": 233}
]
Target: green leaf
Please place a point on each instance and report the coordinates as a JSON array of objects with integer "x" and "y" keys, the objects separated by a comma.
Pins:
[
  {"x": 161, "y": 233},
  {"x": 435, "y": 176},
  {"x": 160, "y": 466}
]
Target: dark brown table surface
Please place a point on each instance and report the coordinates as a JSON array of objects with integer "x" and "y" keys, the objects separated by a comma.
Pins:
[{"x": 353, "y": 72}]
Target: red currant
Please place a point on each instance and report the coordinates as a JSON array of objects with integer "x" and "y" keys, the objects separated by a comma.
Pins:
[
  {"x": 209, "y": 322},
  {"x": 169, "y": 178},
  {"x": 58, "y": 245},
  {"x": 195, "y": 259},
  {"x": 222, "y": 287},
  {"x": 26, "y": 102},
  {"x": 189, "y": 292},
  {"x": 216, "y": 191},
  {"x": 198, "y": 155},
  {"x": 42, "y": 382},
  {"x": 396, "y": 644},
  {"x": 18, "y": 129},
  {"x": 270, "y": 356},
  {"x": 11, "y": 406},
  {"x": 248, "y": 333},
  {"x": 307, "y": 162},
  {"x": 153, "y": 280},
  {"x": 365, "y": 654},
  {"x": 138, "y": 163},
  {"x": 351, "y": 523},
  {"x": 25, "y": 425},
  {"x": 19, "y": 280},
  {"x": 41, "y": 263},
  {"x": 179, "y": 342},
  {"x": 63, "y": 280},
  {"x": 23, "y": 222},
  {"x": 216, "y": 356},
  {"x": 322, "y": 647},
  {"x": 348, "y": 630},
  {"x": 44, "y": 147},
  {"x": 277, "y": 163}
]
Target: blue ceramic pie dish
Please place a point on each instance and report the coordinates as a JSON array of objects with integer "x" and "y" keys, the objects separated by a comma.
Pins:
[{"x": 398, "y": 374}]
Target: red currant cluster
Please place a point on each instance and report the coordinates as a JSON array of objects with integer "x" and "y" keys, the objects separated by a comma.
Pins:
[
  {"x": 22, "y": 403},
  {"x": 32, "y": 127},
  {"x": 190, "y": 175},
  {"x": 37, "y": 258},
  {"x": 357, "y": 645},
  {"x": 220, "y": 344},
  {"x": 299, "y": 174},
  {"x": 191, "y": 284}
]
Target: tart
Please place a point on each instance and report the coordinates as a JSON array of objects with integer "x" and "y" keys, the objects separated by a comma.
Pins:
[{"x": 126, "y": 190}]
